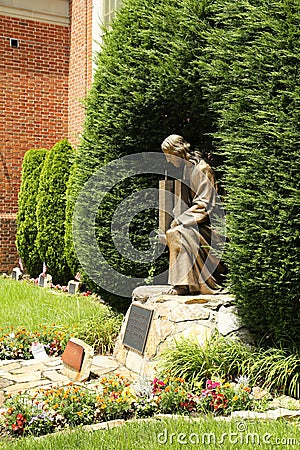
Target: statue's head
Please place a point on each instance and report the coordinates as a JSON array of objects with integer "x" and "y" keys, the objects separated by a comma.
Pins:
[{"x": 175, "y": 145}]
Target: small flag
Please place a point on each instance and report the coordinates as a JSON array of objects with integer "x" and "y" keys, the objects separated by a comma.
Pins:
[
  {"x": 78, "y": 276},
  {"x": 44, "y": 269},
  {"x": 21, "y": 265}
]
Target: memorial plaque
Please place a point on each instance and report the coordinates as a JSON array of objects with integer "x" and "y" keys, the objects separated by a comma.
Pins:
[
  {"x": 73, "y": 355},
  {"x": 138, "y": 324}
]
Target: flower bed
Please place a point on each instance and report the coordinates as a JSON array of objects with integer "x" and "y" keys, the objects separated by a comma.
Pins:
[
  {"x": 16, "y": 343},
  {"x": 115, "y": 397}
]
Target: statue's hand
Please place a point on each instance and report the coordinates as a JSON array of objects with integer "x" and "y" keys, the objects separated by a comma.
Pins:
[{"x": 174, "y": 224}]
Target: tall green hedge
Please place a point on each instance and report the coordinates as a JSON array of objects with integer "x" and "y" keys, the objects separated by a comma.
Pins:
[
  {"x": 217, "y": 71},
  {"x": 51, "y": 210},
  {"x": 136, "y": 100},
  {"x": 249, "y": 72},
  {"x": 26, "y": 218}
]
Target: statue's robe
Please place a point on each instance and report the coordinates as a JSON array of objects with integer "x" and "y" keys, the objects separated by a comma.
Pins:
[{"x": 195, "y": 243}]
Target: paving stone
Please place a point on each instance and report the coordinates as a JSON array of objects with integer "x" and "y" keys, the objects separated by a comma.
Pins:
[
  {"x": 2, "y": 398},
  {"x": 29, "y": 369},
  {"x": 4, "y": 383},
  {"x": 11, "y": 366},
  {"x": 100, "y": 372},
  {"x": 104, "y": 425},
  {"x": 55, "y": 361},
  {"x": 270, "y": 414},
  {"x": 31, "y": 363},
  {"x": 5, "y": 362},
  {"x": 105, "y": 361},
  {"x": 25, "y": 377},
  {"x": 52, "y": 375}
]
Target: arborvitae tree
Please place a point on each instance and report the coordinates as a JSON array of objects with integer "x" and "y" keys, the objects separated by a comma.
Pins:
[
  {"x": 249, "y": 72},
  {"x": 26, "y": 218},
  {"x": 51, "y": 210},
  {"x": 137, "y": 99}
]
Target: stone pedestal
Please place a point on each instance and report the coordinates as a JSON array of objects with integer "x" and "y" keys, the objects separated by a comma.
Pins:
[{"x": 192, "y": 317}]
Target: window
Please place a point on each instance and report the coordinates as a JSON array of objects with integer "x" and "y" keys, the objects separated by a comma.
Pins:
[{"x": 110, "y": 7}]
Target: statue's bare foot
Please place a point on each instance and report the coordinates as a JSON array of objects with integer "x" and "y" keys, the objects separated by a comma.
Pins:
[{"x": 179, "y": 290}]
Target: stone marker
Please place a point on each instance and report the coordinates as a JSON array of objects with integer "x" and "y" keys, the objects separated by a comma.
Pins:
[
  {"x": 73, "y": 287},
  {"x": 77, "y": 359},
  {"x": 44, "y": 280},
  {"x": 16, "y": 274}
]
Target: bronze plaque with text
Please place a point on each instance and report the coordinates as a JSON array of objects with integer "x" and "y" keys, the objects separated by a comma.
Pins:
[{"x": 137, "y": 328}]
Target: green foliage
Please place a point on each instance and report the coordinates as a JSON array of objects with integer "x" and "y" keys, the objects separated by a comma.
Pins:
[
  {"x": 136, "y": 100},
  {"x": 101, "y": 330},
  {"x": 249, "y": 73},
  {"x": 275, "y": 368},
  {"x": 51, "y": 210},
  {"x": 26, "y": 218}
]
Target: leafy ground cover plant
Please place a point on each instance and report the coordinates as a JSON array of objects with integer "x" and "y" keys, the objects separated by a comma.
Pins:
[{"x": 276, "y": 369}]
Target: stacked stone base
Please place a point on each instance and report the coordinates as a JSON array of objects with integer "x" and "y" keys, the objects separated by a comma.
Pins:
[{"x": 192, "y": 317}]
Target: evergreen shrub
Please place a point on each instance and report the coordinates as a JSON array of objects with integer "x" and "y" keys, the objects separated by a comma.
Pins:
[
  {"x": 51, "y": 210},
  {"x": 136, "y": 100},
  {"x": 26, "y": 218},
  {"x": 249, "y": 71}
]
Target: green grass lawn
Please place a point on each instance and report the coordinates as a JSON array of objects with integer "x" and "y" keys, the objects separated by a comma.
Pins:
[
  {"x": 174, "y": 434},
  {"x": 23, "y": 304},
  {"x": 28, "y": 305}
]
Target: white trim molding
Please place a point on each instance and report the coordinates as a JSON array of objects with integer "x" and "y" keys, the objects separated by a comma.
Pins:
[{"x": 49, "y": 11}]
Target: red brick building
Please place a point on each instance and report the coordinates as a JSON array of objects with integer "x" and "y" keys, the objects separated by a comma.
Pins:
[{"x": 46, "y": 49}]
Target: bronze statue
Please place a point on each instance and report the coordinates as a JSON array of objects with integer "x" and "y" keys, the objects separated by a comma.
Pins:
[{"x": 195, "y": 266}]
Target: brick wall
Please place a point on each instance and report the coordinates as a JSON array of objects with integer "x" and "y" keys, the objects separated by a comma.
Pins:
[
  {"x": 33, "y": 108},
  {"x": 80, "y": 73}
]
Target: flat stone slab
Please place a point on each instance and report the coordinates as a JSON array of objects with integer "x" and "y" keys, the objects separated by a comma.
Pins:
[
  {"x": 274, "y": 414},
  {"x": 24, "y": 377},
  {"x": 53, "y": 375},
  {"x": 159, "y": 294},
  {"x": 104, "y": 425},
  {"x": 105, "y": 362},
  {"x": 9, "y": 367}
]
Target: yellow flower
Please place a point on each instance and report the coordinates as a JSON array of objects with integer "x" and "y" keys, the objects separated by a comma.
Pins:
[{"x": 235, "y": 398}]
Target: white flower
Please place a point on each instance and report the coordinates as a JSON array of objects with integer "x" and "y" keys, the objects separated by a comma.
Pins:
[{"x": 242, "y": 381}]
